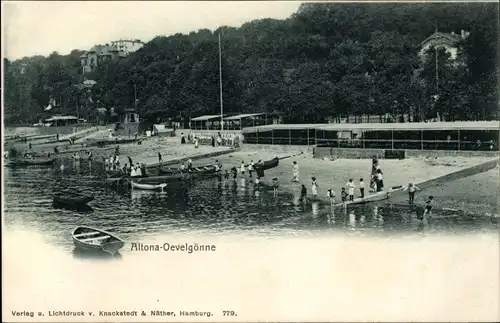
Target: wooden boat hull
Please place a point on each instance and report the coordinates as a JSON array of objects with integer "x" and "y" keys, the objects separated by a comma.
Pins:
[
  {"x": 148, "y": 187},
  {"x": 268, "y": 164},
  {"x": 194, "y": 170},
  {"x": 29, "y": 162},
  {"x": 92, "y": 239},
  {"x": 376, "y": 197},
  {"x": 66, "y": 199}
]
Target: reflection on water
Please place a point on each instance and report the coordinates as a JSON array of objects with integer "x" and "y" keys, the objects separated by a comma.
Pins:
[
  {"x": 95, "y": 255},
  {"x": 214, "y": 206}
]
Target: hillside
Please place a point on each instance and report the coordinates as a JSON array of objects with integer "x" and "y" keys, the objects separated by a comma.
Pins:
[{"x": 326, "y": 60}]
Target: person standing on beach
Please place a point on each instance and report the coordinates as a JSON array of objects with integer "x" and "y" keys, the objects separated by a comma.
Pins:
[
  {"x": 160, "y": 160},
  {"x": 183, "y": 139},
  {"x": 411, "y": 192},
  {"x": 314, "y": 188},
  {"x": 219, "y": 139},
  {"x": 374, "y": 164},
  {"x": 295, "y": 172},
  {"x": 350, "y": 189},
  {"x": 242, "y": 168},
  {"x": 196, "y": 142},
  {"x": 362, "y": 187}
]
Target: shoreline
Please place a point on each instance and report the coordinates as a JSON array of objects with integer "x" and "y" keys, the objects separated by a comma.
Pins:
[{"x": 332, "y": 174}]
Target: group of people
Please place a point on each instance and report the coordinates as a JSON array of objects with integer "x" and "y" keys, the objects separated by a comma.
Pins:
[{"x": 215, "y": 141}]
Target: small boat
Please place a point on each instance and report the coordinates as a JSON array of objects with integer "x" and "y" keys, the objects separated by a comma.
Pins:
[
  {"x": 71, "y": 198},
  {"x": 376, "y": 197},
  {"x": 149, "y": 187},
  {"x": 32, "y": 161},
  {"x": 268, "y": 164},
  {"x": 92, "y": 239},
  {"x": 194, "y": 169}
]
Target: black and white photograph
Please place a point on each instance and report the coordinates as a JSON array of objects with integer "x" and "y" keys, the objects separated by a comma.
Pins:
[{"x": 244, "y": 161}]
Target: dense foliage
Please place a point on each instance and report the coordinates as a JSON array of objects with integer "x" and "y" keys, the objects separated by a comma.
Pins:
[{"x": 326, "y": 60}]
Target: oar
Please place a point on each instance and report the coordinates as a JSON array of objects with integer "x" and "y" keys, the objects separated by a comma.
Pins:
[{"x": 280, "y": 158}]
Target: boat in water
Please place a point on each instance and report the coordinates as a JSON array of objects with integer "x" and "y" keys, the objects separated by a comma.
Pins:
[
  {"x": 31, "y": 161},
  {"x": 149, "y": 187},
  {"x": 194, "y": 169},
  {"x": 375, "y": 197},
  {"x": 71, "y": 198},
  {"x": 92, "y": 239},
  {"x": 268, "y": 164}
]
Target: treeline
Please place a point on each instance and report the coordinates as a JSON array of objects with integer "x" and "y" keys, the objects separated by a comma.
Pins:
[{"x": 326, "y": 60}]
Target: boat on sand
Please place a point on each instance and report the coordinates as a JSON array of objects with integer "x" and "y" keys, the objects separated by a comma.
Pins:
[{"x": 92, "y": 239}]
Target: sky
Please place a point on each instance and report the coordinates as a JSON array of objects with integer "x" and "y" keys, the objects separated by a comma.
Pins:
[{"x": 41, "y": 27}]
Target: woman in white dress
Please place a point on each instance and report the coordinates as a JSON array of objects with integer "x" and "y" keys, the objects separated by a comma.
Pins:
[{"x": 314, "y": 188}]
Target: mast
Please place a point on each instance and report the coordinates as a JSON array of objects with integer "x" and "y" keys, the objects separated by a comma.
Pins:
[
  {"x": 437, "y": 68},
  {"x": 220, "y": 88}
]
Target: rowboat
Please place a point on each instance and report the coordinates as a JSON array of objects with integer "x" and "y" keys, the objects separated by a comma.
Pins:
[
  {"x": 71, "y": 198},
  {"x": 376, "y": 197},
  {"x": 149, "y": 187},
  {"x": 197, "y": 169},
  {"x": 92, "y": 239},
  {"x": 268, "y": 164}
]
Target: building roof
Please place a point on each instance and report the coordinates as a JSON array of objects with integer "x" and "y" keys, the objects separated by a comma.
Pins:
[
  {"x": 408, "y": 126},
  {"x": 243, "y": 116},
  {"x": 447, "y": 37},
  {"x": 206, "y": 117}
]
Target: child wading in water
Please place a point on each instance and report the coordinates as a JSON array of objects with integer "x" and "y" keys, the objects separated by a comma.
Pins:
[
  {"x": 362, "y": 187},
  {"x": 295, "y": 171},
  {"x": 303, "y": 193},
  {"x": 351, "y": 187},
  {"x": 314, "y": 188},
  {"x": 257, "y": 183},
  {"x": 343, "y": 195},
  {"x": 411, "y": 192},
  {"x": 331, "y": 196},
  {"x": 276, "y": 184},
  {"x": 428, "y": 206}
]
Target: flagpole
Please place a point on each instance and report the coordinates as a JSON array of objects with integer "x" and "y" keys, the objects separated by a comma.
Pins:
[{"x": 220, "y": 88}]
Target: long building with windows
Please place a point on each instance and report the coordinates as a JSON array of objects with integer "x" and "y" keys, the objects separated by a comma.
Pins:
[{"x": 459, "y": 136}]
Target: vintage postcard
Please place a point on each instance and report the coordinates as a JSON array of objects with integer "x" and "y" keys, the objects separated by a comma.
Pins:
[{"x": 275, "y": 161}]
